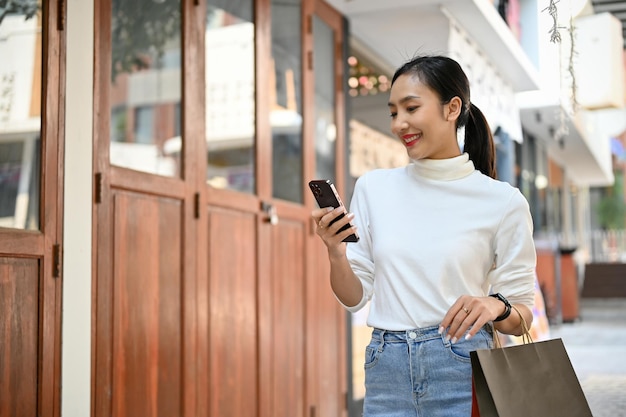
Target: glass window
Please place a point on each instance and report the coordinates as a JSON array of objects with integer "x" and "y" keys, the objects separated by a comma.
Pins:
[
  {"x": 325, "y": 127},
  {"x": 230, "y": 100},
  {"x": 146, "y": 85},
  {"x": 144, "y": 124},
  {"x": 286, "y": 104},
  {"x": 21, "y": 40}
]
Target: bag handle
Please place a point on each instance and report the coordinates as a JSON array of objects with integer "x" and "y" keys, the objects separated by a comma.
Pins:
[{"x": 526, "y": 337}]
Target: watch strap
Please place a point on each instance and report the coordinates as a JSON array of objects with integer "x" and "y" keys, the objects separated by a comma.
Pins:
[{"x": 507, "y": 306}]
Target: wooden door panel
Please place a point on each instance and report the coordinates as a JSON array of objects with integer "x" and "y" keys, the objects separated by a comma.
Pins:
[
  {"x": 147, "y": 308},
  {"x": 327, "y": 326},
  {"x": 288, "y": 320},
  {"x": 331, "y": 333},
  {"x": 19, "y": 331},
  {"x": 232, "y": 349}
]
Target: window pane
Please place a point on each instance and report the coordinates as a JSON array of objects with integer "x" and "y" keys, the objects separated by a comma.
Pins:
[
  {"x": 146, "y": 85},
  {"x": 230, "y": 101},
  {"x": 325, "y": 127},
  {"x": 21, "y": 40},
  {"x": 286, "y": 105}
]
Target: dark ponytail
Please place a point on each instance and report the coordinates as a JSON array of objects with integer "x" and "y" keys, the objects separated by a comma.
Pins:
[
  {"x": 479, "y": 142},
  {"x": 446, "y": 77}
]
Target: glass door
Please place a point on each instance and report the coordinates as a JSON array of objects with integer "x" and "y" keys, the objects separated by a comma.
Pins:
[{"x": 31, "y": 209}]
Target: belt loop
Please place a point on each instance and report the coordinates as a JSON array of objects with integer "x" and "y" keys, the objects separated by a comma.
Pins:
[{"x": 382, "y": 340}]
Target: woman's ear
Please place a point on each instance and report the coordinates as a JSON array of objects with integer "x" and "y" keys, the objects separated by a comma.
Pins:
[{"x": 454, "y": 107}]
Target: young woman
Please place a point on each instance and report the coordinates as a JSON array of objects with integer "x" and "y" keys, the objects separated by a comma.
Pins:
[{"x": 445, "y": 249}]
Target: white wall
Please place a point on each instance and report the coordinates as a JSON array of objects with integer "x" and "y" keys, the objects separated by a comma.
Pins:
[
  {"x": 76, "y": 334},
  {"x": 493, "y": 95}
]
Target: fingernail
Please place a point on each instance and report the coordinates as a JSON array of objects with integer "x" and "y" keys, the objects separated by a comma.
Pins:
[
  {"x": 350, "y": 215},
  {"x": 454, "y": 340},
  {"x": 441, "y": 329},
  {"x": 447, "y": 339},
  {"x": 468, "y": 336},
  {"x": 329, "y": 209}
]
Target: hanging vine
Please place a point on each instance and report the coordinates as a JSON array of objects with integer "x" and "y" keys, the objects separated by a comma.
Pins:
[
  {"x": 555, "y": 37},
  {"x": 570, "y": 67}
]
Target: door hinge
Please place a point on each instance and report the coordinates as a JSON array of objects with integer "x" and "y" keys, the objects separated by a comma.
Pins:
[
  {"x": 309, "y": 24},
  {"x": 196, "y": 205},
  {"x": 196, "y": 2},
  {"x": 98, "y": 188},
  {"x": 61, "y": 15},
  {"x": 56, "y": 260},
  {"x": 310, "y": 60}
]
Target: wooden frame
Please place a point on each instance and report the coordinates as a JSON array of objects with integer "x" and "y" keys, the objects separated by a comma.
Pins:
[
  {"x": 241, "y": 277},
  {"x": 44, "y": 247}
]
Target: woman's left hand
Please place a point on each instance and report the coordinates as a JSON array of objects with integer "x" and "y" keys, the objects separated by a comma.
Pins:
[{"x": 469, "y": 314}]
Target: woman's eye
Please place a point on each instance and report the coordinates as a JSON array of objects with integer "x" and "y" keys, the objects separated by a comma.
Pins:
[
  {"x": 393, "y": 115},
  {"x": 412, "y": 109}
]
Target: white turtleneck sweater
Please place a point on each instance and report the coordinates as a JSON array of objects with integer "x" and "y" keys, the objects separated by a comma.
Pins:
[{"x": 435, "y": 230}]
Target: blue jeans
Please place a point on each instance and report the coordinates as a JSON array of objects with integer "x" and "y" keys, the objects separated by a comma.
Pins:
[{"x": 416, "y": 373}]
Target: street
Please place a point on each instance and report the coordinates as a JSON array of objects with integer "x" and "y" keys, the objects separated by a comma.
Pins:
[{"x": 596, "y": 345}]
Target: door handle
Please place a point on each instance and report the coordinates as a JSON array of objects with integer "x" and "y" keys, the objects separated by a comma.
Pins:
[{"x": 270, "y": 212}]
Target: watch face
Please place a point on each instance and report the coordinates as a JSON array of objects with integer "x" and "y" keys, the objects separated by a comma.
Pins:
[
  {"x": 501, "y": 298},
  {"x": 507, "y": 306}
]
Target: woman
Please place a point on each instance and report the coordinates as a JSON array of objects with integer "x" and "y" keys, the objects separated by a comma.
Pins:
[{"x": 445, "y": 249}]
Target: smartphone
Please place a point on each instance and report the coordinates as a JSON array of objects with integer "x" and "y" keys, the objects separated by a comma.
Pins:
[{"x": 326, "y": 195}]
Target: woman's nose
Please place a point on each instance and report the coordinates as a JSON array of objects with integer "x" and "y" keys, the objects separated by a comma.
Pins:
[{"x": 399, "y": 125}]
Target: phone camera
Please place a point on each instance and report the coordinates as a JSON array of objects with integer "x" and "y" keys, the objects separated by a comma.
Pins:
[{"x": 317, "y": 191}]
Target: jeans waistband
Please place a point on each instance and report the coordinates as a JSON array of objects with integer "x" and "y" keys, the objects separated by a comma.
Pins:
[{"x": 414, "y": 335}]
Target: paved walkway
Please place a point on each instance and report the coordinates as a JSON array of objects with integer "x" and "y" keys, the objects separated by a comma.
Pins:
[{"x": 596, "y": 345}]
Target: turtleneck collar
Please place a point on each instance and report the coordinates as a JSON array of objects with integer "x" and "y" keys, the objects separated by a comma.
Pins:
[{"x": 443, "y": 169}]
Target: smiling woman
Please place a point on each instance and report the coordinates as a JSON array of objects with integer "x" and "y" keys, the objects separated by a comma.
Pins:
[{"x": 446, "y": 251}]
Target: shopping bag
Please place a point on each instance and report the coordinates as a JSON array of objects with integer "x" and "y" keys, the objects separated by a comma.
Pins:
[{"x": 534, "y": 379}]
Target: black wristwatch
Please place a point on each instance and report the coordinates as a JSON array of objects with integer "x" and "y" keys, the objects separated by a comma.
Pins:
[{"x": 507, "y": 306}]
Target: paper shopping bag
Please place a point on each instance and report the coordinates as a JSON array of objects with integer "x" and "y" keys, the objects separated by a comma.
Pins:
[{"x": 530, "y": 380}]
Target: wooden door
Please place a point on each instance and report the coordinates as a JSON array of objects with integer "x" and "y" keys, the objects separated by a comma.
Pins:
[
  {"x": 31, "y": 176},
  {"x": 145, "y": 208},
  {"x": 274, "y": 344},
  {"x": 253, "y": 345},
  {"x": 206, "y": 281},
  {"x": 326, "y": 318}
]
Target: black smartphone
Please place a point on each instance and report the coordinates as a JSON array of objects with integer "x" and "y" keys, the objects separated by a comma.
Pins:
[{"x": 326, "y": 195}]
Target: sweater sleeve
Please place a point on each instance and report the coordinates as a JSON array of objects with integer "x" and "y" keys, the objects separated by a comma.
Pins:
[
  {"x": 360, "y": 253},
  {"x": 513, "y": 274}
]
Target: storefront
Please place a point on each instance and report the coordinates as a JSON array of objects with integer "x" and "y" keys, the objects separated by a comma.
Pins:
[{"x": 157, "y": 251}]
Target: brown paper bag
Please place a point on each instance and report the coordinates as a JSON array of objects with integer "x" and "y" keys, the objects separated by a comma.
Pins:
[{"x": 535, "y": 379}]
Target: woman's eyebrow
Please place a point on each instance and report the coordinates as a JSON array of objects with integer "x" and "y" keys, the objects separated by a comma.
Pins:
[{"x": 403, "y": 100}]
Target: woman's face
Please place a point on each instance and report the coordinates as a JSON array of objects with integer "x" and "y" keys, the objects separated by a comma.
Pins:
[{"x": 425, "y": 126}]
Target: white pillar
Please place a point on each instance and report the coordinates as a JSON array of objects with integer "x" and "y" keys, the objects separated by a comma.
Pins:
[{"x": 76, "y": 335}]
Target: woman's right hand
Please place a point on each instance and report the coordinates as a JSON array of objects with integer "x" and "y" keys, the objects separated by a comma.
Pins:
[
  {"x": 343, "y": 281},
  {"x": 328, "y": 233}
]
